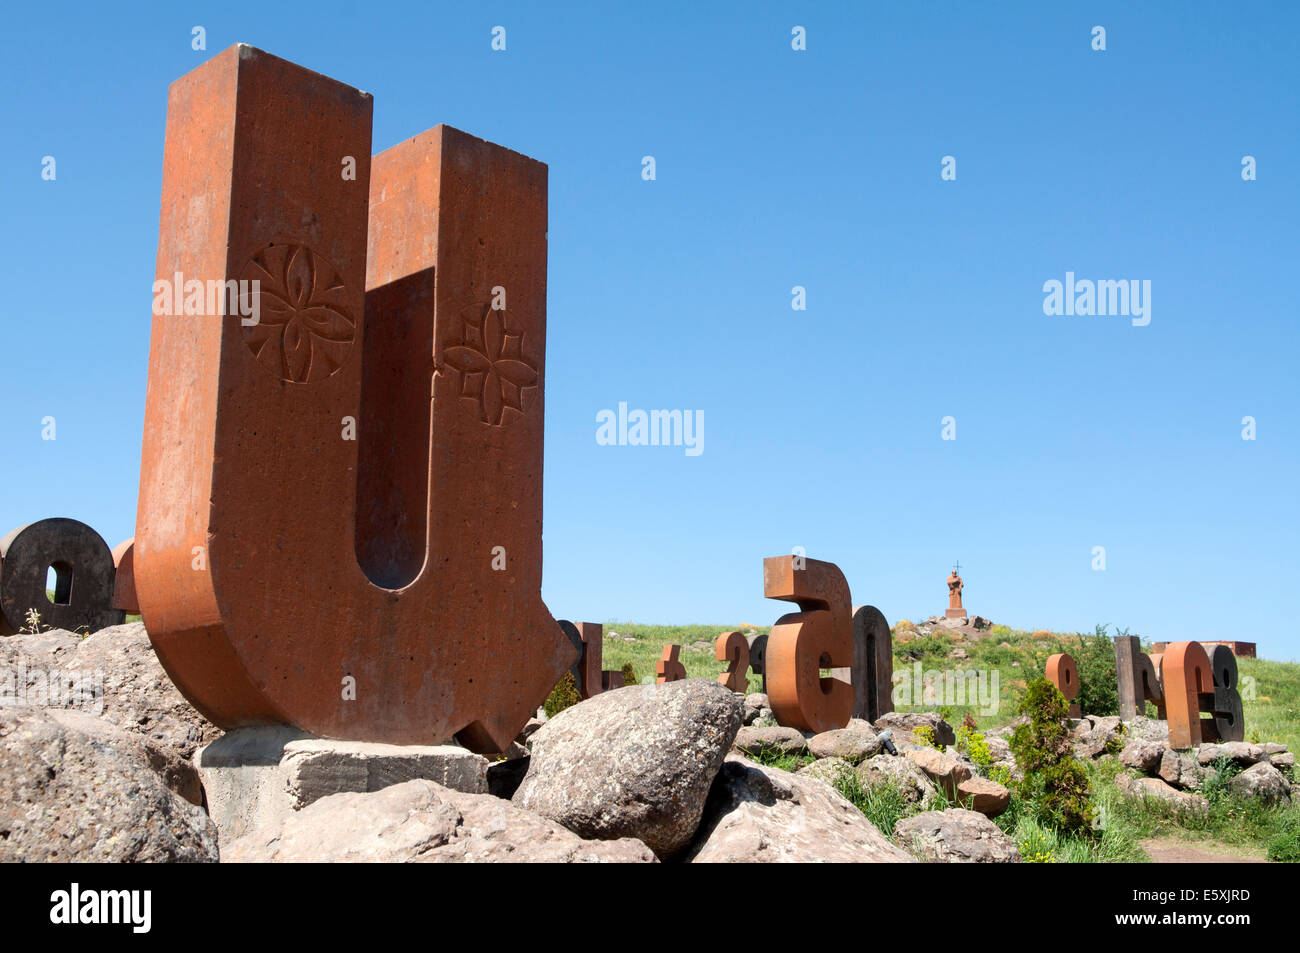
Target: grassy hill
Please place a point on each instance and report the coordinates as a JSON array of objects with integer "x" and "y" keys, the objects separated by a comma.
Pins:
[
  {"x": 1270, "y": 690},
  {"x": 1240, "y": 829}
]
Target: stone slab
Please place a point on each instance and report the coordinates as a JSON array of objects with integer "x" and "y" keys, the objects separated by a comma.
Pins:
[{"x": 255, "y": 777}]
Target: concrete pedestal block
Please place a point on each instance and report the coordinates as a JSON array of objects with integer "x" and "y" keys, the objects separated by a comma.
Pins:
[{"x": 254, "y": 777}]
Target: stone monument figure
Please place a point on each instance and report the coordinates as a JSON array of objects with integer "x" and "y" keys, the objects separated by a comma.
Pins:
[{"x": 955, "y": 610}]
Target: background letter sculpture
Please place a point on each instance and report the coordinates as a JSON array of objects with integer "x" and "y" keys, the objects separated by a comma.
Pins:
[{"x": 277, "y": 561}]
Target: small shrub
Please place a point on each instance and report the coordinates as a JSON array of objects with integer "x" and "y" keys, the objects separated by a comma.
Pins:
[
  {"x": 1098, "y": 685},
  {"x": 563, "y": 695},
  {"x": 1055, "y": 786},
  {"x": 972, "y": 744},
  {"x": 629, "y": 674}
]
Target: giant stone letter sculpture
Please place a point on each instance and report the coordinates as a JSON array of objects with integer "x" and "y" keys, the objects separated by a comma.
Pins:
[
  {"x": 83, "y": 573},
  {"x": 276, "y": 560},
  {"x": 802, "y": 643}
]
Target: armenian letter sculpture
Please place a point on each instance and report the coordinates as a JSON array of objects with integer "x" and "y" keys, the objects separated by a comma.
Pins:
[{"x": 385, "y": 587}]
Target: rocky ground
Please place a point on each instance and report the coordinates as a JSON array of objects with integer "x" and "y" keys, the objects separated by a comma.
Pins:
[{"x": 650, "y": 773}]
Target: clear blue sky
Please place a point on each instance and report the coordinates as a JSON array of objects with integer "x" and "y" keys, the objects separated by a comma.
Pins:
[{"x": 777, "y": 168}]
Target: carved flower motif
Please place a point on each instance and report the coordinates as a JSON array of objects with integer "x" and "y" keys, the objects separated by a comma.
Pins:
[
  {"x": 303, "y": 333},
  {"x": 493, "y": 369}
]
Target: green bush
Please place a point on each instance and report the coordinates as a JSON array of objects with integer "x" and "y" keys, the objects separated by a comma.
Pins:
[
  {"x": 1055, "y": 786},
  {"x": 1098, "y": 684},
  {"x": 563, "y": 695},
  {"x": 629, "y": 674}
]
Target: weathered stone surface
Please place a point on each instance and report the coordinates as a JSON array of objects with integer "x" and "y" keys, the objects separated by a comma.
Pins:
[
  {"x": 1181, "y": 769},
  {"x": 138, "y": 694},
  {"x": 852, "y": 744},
  {"x": 1159, "y": 790},
  {"x": 1285, "y": 759},
  {"x": 772, "y": 740},
  {"x": 1272, "y": 747},
  {"x": 900, "y": 772},
  {"x": 1149, "y": 729},
  {"x": 757, "y": 814},
  {"x": 420, "y": 821},
  {"x": 987, "y": 797},
  {"x": 826, "y": 769},
  {"x": 134, "y": 692},
  {"x": 1262, "y": 781},
  {"x": 636, "y": 762},
  {"x": 316, "y": 768},
  {"x": 1237, "y": 751},
  {"x": 999, "y": 749},
  {"x": 754, "y": 705},
  {"x": 1098, "y": 735},
  {"x": 901, "y": 723},
  {"x": 944, "y": 769},
  {"x": 74, "y": 788},
  {"x": 1143, "y": 754},
  {"x": 956, "y": 836}
]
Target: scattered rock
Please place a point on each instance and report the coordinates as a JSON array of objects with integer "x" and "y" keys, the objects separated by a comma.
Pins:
[
  {"x": 956, "y": 836},
  {"x": 1284, "y": 760},
  {"x": 959, "y": 653},
  {"x": 1143, "y": 754},
  {"x": 898, "y": 771},
  {"x": 1262, "y": 781},
  {"x": 634, "y": 762},
  {"x": 75, "y": 788},
  {"x": 1157, "y": 789},
  {"x": 1235, "y": 751},
  {"x": 1096, "y": 735},
  {"x": 987, "y": 797},
  {"x": 826, "y": 769},
  {"x": 942, "y": 768},
  {"x": 753, "y": 706},
  {"x": 852, "y": 744},
  {"x": 999, "y": 749},
  {"x": 775, "y": 740},
  {"x": 757, "y": 814},
  {"x": 903, "y": 722},
  {"x": 1181, "y": 769},
  {"x": 1149, "y": 729},
  {"x": 421, "y": 821}
]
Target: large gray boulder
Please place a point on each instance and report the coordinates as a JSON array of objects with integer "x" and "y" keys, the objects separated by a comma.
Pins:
[
  {"x": 774, "y": 740},
  {"x": 634, "y": 762},
  {"x": 136, "y": 694},
  {"x": 956, "y": 836},
  {"x": 76, "y": 788},
  {"x": 1262, "y": 781},
  {"x": 1143, "y": 754},
  {"x": 854, "y": 744},
  {"x": 757, "y": 814},
  {"x": 422, "y": 821}
]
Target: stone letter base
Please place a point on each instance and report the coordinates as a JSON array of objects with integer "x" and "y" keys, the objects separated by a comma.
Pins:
[{"x": 258, "y": 776}]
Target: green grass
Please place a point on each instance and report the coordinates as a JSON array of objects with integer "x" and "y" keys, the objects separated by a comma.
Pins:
[{"x": 643, "y": 653}]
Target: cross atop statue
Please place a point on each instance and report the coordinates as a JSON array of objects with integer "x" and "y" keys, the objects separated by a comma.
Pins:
[{"x": 955, "y": 610}]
